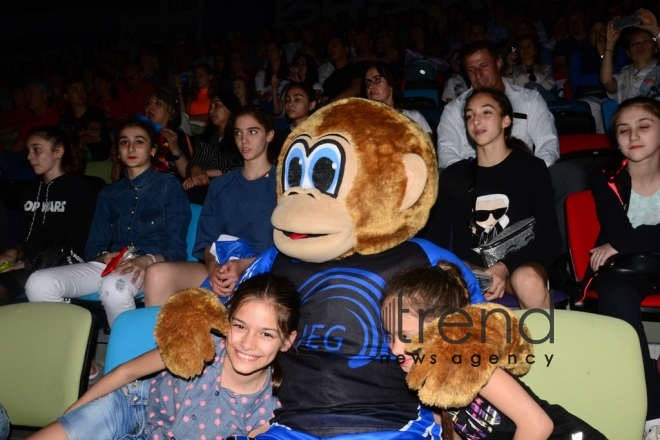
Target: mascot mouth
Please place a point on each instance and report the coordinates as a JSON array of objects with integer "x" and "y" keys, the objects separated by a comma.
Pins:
[{"x": 299, "y": 236}]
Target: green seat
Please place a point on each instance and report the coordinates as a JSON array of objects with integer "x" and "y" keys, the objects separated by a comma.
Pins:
[
  {"x": 100, "y": 168},
  {"x": 596, "y": 370},
  {"x": 45, "y": 364}
]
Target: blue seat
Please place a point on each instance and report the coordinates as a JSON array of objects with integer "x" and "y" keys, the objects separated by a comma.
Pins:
[
  {"x": 132, "y": 335},
  {"x": 608, "y": 107},
  {"x": 569, "y": 106},
  {"x": 429, "y": 93}
]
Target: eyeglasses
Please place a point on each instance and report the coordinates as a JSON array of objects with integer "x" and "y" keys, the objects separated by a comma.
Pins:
[
  {"x": 375, "y": 80},
  {"x": 639, "y": 44},
  {"x": 481, "y": 215},
  {"x": 530, "y": 73}
]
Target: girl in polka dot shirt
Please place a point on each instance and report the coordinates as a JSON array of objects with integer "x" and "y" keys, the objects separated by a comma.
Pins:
[{"x": 234, "y": 395}]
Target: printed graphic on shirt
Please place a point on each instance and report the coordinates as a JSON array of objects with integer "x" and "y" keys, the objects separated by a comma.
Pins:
[
  {"x": 477, "y": 420},
  {"x": 489, "y": 217},
  {"x": 49, "y": 206},
  {"x": 343, "y": 299}
]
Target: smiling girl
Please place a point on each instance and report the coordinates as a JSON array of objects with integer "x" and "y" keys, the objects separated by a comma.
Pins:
[
  {"x": 239, "y": 203},
  {"x": 628, "y": 205},
  {"x": 235, "y": 394},
  {"x": 147, "y": 209},
  {"x": 504, "y": 185}
]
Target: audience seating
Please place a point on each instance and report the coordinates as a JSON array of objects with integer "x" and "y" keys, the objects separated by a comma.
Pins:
[
  {"x": 102, "y": 169},
  {"x": 596, "y": 370},
  {"x": 572, "y": 117},
  {"x": 132, "y": 335},
  {"x": 582, "y": 228},
  {"x": 45, "y": 359},
  {"x": 595, "y": 91},
  {"x": 608, "y": 108},
  {"x": 584, "y": 145}
]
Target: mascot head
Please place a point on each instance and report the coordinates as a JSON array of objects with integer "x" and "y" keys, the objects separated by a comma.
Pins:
[{"x": 357, "y": 176}]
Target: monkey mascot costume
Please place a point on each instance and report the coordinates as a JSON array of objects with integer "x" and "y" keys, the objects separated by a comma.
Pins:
[{"x": 356, "y": 182}]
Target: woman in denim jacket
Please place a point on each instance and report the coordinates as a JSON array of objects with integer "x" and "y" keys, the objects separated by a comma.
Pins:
[{"x": 148, "y": 210}]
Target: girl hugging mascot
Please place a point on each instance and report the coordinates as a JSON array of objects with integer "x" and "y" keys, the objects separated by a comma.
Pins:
[{"x": 356, "y": 182}]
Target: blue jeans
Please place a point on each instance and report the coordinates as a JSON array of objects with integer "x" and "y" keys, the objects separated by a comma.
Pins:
[
  {"x": 4, "y": 424},
  {"x": 116, "y": 416}
]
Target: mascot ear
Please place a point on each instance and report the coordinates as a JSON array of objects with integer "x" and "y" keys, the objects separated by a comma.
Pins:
[{"x": 416, "y": 174}]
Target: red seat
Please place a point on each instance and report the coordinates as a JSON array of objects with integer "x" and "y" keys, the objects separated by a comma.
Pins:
[
  {"x": 582, "y": 228},
  {"x": 592, "y": 144}
]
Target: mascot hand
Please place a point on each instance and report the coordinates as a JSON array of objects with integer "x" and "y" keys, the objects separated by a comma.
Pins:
[
  {"x": 452, "y": 373},
  {"x": 183, "y": 330}
]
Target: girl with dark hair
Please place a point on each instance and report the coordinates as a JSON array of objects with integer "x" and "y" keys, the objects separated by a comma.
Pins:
[
  {"x": 239, "y": 204},
  {"x": 202, "y": 88},
  {"x": 88, "y": 122},
  {"x": 505, "y": 406},
  {"x": 304, "y": 70},
  {"x": 381, "y": 83},
  {"x": 59, "y": 206},
  {"x": 269, "y": 81},
  {"x": 243, "y": 90},
  {"x": 215, "y": 152},
  {"x": 526, "y": 68},
  {"x": 628, "y": 205},
  {"x": 504, "y": 185},
  {"x": 234, "y": 395},
  {"x": 147, "y": 210}
]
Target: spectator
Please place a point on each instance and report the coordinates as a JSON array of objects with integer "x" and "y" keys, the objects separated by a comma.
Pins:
[
  {"x": 57, "y": 158},
  {"x": 151, "y": 68},
  {"x": 291, "y": 43},
  {"x": 533, "y": 124},
  {"x": 382, "y": 84},
  {"x": 274, "y": 73},
  {"x": 87, "y": 122},
  {"x": 526, "y": 69},
  {"x": 344, "y": 82},
  {"x": 107, "y": 100},
  {"x": 138, "y": 89},
  {"x": 239, "y": 203},
  {"x": 242, "y": 89},
  {"x": 559, "y": 32},
  {"x": 323, "y": 66},
  {"x": 627, "y": 204},
  {"x": 215, "y": 152},
  {"x": 455, "y": 85},
  {"x": 13, "y": 119},
  {"x": 564, "y": 49},
  {"x": 203, "y": 86},
  {"x": 642, "y": 51},
  {"x": 153, "y": 203},
  {"x": 38, "y": 97}
]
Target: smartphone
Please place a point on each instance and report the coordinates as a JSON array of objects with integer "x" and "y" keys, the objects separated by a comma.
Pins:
[
  {"x": 515, "y": 54},
  {"x": 185, "y": 80},
  {"x": 627, "y": 21}
]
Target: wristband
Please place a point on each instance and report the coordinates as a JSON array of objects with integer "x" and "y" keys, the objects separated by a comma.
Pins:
[
  {"x": 608, "y": 50},
  {"x": 178, "y": 156},
  {"x": 151, "y": 256}
]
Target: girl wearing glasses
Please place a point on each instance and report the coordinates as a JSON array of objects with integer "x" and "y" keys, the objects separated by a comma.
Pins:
[
  {"x": 642, "y": 49},
  {"x": 526, "y": 68},
  {"x": 480, "y": 198},
  {"x": 381, "y": 83}
]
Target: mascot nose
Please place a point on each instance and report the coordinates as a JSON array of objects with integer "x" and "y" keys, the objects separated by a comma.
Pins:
[{"x": 298, "y": 191}]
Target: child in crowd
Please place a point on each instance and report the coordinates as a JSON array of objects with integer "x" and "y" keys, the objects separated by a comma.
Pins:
[
  {"x": 239, "y": 203},
  {"x": 628, "y": 205},
  {"x": 58, "y": 207},
  {"x": 506, "y": 184},
  {"x": 233, "y": 396},
  {"x": 505, "y": 407},
  {"x": 147, "y": 209}
]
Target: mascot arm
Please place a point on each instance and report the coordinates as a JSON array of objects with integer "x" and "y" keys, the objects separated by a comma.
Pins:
[
  {"x": 436, "y": 253},
  {"x": 183, "y": 330},
  {"x": 458, "y": 353}
]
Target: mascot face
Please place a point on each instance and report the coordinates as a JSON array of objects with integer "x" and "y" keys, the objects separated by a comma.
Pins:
[{"x": 357, "y": 176}]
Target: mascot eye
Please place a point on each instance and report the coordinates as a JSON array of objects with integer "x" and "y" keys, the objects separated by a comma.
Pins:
[
  {"x": 323, "y": 174},
  {"x": 294, "y": 164}
]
